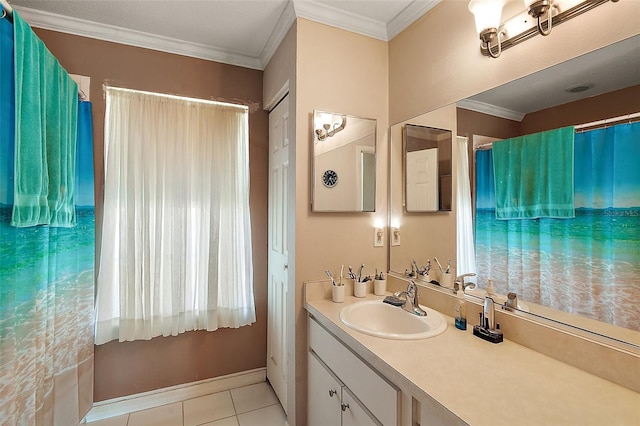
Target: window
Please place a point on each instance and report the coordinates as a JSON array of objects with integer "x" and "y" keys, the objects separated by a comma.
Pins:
[{"x": 176, "y": 235}]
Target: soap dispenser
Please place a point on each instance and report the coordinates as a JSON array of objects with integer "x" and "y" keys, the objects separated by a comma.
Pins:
[
  {"x": 461, "y": 310},
  {"x": 490, "y": 292}
]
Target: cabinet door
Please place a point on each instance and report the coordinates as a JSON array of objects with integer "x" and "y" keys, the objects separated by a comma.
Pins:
[
  {"x": 323, "y": 404},
  {"x": 353, "y": 413}
]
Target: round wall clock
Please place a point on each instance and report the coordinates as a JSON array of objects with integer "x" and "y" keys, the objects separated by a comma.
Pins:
[{"x": 329, "y": 178}]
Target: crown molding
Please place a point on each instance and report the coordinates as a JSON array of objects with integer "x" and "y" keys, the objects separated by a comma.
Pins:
[
  {"x": 490, "y": 109},
  {"x": 111, "y": 33},
  {"x": 328, "y": 15},
  {"x": 278, "y": 34},
  {"x": 409, "y": 15},
  {"x": 313, "y": 11}
]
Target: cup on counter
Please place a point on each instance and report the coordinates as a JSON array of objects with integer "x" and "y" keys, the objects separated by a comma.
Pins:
[
  {"x": 446, "y": 280},
  {"x": 424, "y": 277},
  {"x": 337, "y": 293},
  {"x": 359, "y": 288},
  {"x": 379, "y": 287}
]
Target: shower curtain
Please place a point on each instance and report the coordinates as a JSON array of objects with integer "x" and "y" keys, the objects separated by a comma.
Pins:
[
  {"x": 46, "y": 287},
  {"x": 588, "y": 265}
]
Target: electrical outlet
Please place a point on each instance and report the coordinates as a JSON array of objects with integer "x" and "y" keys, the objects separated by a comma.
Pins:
[
  {"x": 395, "y": 236},
  {"x": 378, "y": 237}
]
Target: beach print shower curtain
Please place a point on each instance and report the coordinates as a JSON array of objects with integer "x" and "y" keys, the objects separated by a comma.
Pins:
[
  {"x": 46, "y": 288},
  {"x": 588, "y": 265}
]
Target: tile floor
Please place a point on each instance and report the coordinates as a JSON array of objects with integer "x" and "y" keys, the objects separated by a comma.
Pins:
[{"x": 246, "y": 406}]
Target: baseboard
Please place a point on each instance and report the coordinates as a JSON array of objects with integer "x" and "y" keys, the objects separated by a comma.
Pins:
[{"x": 145, "y": 400}]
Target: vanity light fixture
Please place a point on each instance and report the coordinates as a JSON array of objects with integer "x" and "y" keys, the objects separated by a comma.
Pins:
[
  {"x": 497, "y": 36},
  {"x": 487, "y": 15},
  {"x": 537, "y": 9},
  {"x": 330, "y": 127}
]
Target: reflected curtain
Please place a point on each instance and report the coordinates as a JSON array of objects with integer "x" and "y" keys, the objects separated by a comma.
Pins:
[
  {"x": 464, "y": 212},
  {"x": 46, "y": 286},
  {"x": 588, "y": 265},
  {"x": 176, "y": 240}
]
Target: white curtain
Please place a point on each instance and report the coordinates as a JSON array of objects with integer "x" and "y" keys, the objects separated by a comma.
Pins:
[
  {"x": 464, "y": 216},
  {"x": 176, "y": 235}
]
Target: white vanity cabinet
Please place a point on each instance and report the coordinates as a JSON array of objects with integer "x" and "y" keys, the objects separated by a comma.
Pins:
[
  {"x": 338, "y": 378},
  {"x": 330, "y": 402}
]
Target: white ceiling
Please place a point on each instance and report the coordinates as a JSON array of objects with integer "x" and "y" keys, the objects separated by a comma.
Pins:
[{"x": 238, "y": 32}]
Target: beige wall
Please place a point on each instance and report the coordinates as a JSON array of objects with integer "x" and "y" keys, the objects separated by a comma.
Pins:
[
  {"x": 132, "y": 367},
  {"x": 341, "y": 72},
  {"x": 437, "y": 60}
]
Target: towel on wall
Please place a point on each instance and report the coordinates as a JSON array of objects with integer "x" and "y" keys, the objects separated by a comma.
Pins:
[
  {"x": 46, "y": 104},
  {"x": 7, "y": 112},
  {"x": 533, "y": 175}
]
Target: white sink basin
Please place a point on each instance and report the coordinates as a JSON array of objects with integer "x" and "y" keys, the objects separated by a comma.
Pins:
[{"x": 380, "y": 319}]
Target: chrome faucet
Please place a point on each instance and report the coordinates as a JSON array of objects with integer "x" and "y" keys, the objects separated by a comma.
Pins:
[
  {"x": 460, "y": 281},
  {"x": 411, "y": 304}
]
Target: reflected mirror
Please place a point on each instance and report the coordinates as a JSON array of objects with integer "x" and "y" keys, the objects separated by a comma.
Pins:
[
  {"x": 344, "y": 163},
  {"x": 548, "y": 99},
  {"x": 427, "y": 169}
]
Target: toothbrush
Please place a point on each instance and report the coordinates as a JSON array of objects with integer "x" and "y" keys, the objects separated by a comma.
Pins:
[
  {"x": 333, "y": 282},
  {"x": 448, "y": 267},
  {"x": 341, "y": 273},
  {"x": 439, "y": 265},
  {"x": 360, "y": 273},
  {"x": 351, "y": 274},
  {"x": 415, "y": 265}
]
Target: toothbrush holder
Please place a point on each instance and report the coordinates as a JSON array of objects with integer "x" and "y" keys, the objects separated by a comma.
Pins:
[
  {"x": 337, "y": 293},
  {"x": 424, "y": 277},
  {"x": 359, "y": 288},
  {"x": 446, "y": 280},
  {"x": 379, "y": 287}
]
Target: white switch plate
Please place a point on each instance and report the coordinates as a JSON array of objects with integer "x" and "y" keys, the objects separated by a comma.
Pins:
[
  {"x": 395, "y": 236},
  {"x": 378, "y": 237}
]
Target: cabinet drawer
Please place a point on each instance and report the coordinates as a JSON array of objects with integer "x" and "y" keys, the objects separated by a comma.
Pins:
[{"x": 376, "y": 393}]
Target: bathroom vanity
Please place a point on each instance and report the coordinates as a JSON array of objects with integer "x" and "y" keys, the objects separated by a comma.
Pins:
[{"x": 453, "y": 378}]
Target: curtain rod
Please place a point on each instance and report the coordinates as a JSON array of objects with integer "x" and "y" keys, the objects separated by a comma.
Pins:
[
  {"x": 7, "y": 10},
  {"x": 608, "y": 121},
  {"x": 585, "y": 126}
]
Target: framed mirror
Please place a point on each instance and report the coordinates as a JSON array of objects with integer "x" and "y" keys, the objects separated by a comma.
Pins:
[
  {"x": 427, "y": 169},
  {"x": 344, "y": 163}
]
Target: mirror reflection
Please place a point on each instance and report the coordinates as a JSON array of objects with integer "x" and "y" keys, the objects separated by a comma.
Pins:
[
  {"x": 344, "y": 163},
  {"x": 427, "y": 169},
  {"x": 548, "y": 100}
]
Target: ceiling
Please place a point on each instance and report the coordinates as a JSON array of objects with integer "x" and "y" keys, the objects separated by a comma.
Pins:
[
  {"x": 237, "y": 32},
  {"x": 248, "y": 32}
]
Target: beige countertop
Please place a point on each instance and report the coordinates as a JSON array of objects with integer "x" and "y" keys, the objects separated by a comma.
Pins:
[{"x": 484, "y": 383}]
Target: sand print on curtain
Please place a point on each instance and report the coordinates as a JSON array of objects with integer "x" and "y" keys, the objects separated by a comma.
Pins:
[
  {"x": 46, "y": 288},
  {"x": 588, "y": 265}
]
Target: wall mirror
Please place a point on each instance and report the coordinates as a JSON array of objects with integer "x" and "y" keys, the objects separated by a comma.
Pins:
[
  {"x": 427, "y": 169},
  {"x": 615, "y": 95},
  {"x": 344, "y": 163}
]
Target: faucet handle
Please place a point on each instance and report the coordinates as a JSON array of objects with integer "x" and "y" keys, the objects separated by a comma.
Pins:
[{"x": 460, "y": 281}]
